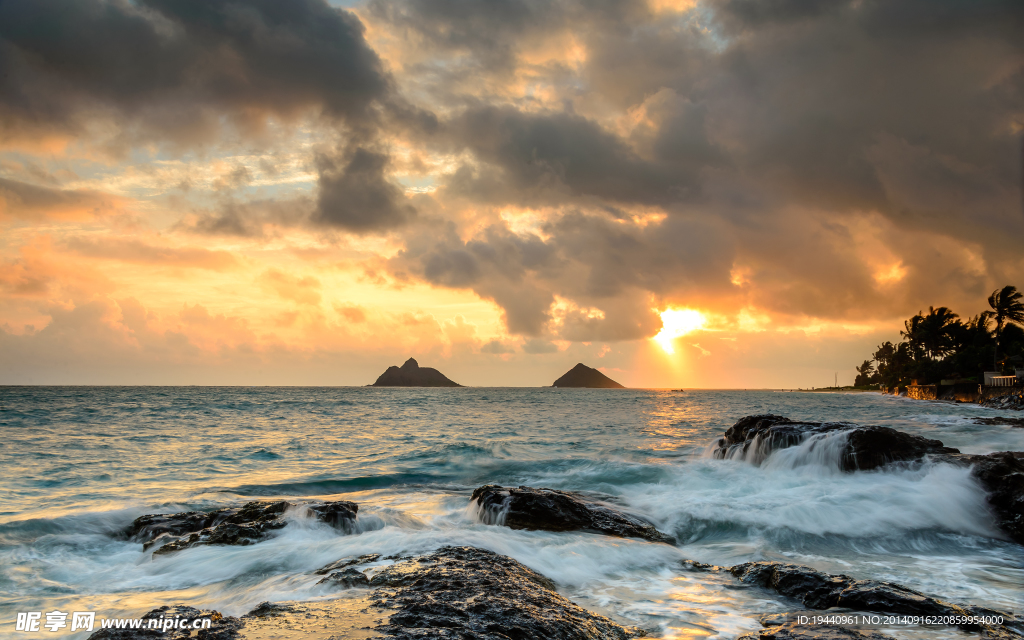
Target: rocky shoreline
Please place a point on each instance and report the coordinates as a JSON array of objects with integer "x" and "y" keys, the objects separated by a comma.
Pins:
[
  {"x": 468, "y": 592},
  {"x": 864, "y": 448},
  {"x": 1011, "y": 398}
]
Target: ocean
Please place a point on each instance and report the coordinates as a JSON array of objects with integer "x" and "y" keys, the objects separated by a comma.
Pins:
[{"x": 79, "y": 463}]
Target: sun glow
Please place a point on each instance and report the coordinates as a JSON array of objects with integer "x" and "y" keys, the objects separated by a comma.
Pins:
[{"x": 675, "y": 323}]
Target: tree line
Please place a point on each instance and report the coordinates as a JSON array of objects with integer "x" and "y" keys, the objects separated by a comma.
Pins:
[{"x": 939, "y": 345}]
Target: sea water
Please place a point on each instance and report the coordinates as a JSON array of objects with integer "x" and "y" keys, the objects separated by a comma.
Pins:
[{"x": 79, "y": 463}]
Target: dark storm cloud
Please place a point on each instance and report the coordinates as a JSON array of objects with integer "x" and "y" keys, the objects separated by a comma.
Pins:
[
  {"x": 490, "y": 30},
  {"x": 173, "y": 67},
  {"x": 356, "y": 195},
  {"x": 553, "y": 150},
  {"x": 251, "y": 218},
  {"x": 489, "y": 37},
  {"x": 765, "y": 128},
  {"x": 28, "y": 201},
  {"x": 591, "y": 260},
  {"x": 172, "y": 71}
]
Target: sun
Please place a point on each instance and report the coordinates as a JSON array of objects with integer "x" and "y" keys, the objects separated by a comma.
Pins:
[{"x": 675, "y": 323}]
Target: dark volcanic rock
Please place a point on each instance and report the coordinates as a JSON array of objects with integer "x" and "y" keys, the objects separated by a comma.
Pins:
[
  {"x": 463, "y": 592},
  {"x": 755, "y": 437},
  {"x": 453, "y": 593},
  {"x": 582, "y": 376},
  {"x": 817, "y": 590},
  {"x": 1002, "y": 475},
  {"x": 244, "y": 525},
  {"x": 347, "y": 579},
  {"x": 221, "y": 627},
  {"x": 1001, "y": 421},
  {"x": 552, "y": 510},
  {"x": 344, "y": 563},
  {"x": 794, "y": 631},
  {"x": 411, "y": 374}
]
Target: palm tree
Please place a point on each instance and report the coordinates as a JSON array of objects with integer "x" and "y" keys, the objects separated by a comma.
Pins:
[
  {"x": 1006, "y": 307},
  {"x": 864, "y": 373},
  {"x": 937, "y": 331},
  {"x": 914, "y": 334}
]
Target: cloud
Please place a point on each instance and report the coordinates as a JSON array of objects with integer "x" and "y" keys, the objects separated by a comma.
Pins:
[
  {"x": 252, "y": 218},
  {"x": 535, "y": 346},
  {"x": 497, "y": 347},
  {"x": 138, "y": 252},
  {"x": 356, "y": 195},
  {"x": 303, "y": 290},
  {"x": 352, "y": 313},
  {"x": 168, "y": 70},
  {"x": 32, "y": 202},
  {"x": 803, "y": 142},
  {"x": 779, "y": 163}
]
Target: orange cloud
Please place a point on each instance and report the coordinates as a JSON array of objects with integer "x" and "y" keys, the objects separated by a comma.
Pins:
[
  {"x": 301, "y": 290},
  {"x": 31, "y": 202},
  {"x": 139, "y": 252}
]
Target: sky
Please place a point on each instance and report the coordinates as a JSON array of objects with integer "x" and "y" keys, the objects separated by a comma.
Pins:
[{"x": 681, "y": 193}]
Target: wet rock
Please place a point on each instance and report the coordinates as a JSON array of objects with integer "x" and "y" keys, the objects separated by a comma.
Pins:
[
  {"x": 346, "y": 579},
  {"x": 1001, "y": 421},
  {"x": 1002, "y": 475},
  {"x": 818, "y": 590},
  {"x": 453, "y": 593},
  {"x": 867, "y": 447},
  {"x": 221, "y": 627},
  {"x": 552, "y": 510},
  {"x": 348, "y": 562},
  {"x": 249, "y": 524},
  {"x": 269, "y": 610},
  {"x": 464, "y": 592},
  {"x": 1011, "y": 400},
  {"x": 693, "y": 565},
  {"x": 794, "y": 631}
]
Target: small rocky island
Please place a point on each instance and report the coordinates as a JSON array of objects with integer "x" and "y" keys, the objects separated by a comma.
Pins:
[
  {"x": 584, "y": 377},
  {"x": 411, "y": 374}
]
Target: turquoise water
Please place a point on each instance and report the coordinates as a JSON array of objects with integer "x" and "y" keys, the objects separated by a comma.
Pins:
[{"x": 80, "y": 462}]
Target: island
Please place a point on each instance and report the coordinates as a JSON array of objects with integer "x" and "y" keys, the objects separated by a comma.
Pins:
[
  {"x": 411, "y": 374},
  {"x": 582, "y": 376}
]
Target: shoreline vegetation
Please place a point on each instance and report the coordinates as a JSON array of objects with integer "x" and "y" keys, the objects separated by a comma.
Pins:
[{"x": 941, "y": 348}]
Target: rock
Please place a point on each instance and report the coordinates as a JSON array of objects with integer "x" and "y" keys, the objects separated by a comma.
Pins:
[
  {"x": 244, "y": 525},
  {"x": 818, "y": 590},
  {"x": 453, "y": 593},
  {"x": 552, "y": 510},
  {"x": 582, "y": 376},
  {"x": 347, "y": 579},
  {"x": 221, "y": 627},
  {"x": 1012, "y": 399},
  {"x": 794, "y": 631},
  {"x": 269, "y": 610},
  {"x": 464, "y": 592},
  {"x": 1002, "y": 475},
  {"x": 870, "y": 447},
  {"x": 411, "y": 374},
  {"x": 348, "y": 562},
  {"x": 1000, "y": 421}
]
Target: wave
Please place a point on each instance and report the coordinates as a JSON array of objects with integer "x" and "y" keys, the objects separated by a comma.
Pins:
[
  {"x": 329, "y": 487},
  {"x": 823, "y": 450},
  {"x": 803, "y": 491}
]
